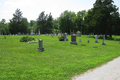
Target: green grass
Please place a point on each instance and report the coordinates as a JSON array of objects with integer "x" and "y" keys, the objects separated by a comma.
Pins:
[{"x": 59, "y": 61}]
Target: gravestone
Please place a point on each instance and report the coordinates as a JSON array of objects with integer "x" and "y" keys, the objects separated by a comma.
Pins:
[
  {"x": 65, "y": 37},
  {"x": 4, "y": 37},
  {"x": 19, "y": 33},
  {"x": 78, "y": 33},
  {"x": 40, "y": 48},
  {"x": 103, "y": 40},
  {"x": 39, "y": 31},
  {"x": 79, "y": 40},
  {"x": 31, "y": 32},
  {"x": 88, "y": 41},
  {"x": 37, "y": 38},
  {"x": 96, "y": 41},
  {"x": 73, "y": 39}
]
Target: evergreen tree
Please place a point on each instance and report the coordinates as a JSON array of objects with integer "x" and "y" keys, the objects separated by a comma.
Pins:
[{"x": 18, "y": 23}]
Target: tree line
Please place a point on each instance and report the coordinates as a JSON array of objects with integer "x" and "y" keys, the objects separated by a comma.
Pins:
[{"x": 103, "y": 18}]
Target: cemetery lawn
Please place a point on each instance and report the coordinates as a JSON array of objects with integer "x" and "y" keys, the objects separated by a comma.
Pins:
[{"x": 59, "y": 61}]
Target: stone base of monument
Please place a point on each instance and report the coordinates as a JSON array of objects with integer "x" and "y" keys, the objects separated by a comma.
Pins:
[
  {"x": 73, "y": 42},
  {"x": 40, "y": 49},
  {"x": 103, "y": 43},
  {"x": 96, "y": 42}
]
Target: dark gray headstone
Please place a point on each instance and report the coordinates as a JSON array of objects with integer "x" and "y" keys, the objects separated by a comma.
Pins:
[
  {"x": 40, "y": 48},
  {"x": 4, "y": 37},
  {"x": 88, "y": 41},
  {"x": 103, "y": 40},
  {"x": 79, "y": 40}
]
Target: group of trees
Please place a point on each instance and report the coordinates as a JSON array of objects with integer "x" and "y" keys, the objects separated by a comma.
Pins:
[{"x": 103, "y": 18}]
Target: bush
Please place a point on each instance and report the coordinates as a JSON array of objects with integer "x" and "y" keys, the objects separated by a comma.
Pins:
[
  {"x": 27, "y": 38},
  {"x": 61, "y": 38}
]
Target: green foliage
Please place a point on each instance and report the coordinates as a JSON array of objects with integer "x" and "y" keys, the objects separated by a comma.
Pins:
[
  {"x": 18, "y": 23},
  {"x": 61, "y": 38},
  {"x": 44, "y": 23},
  {"x": 103, "y": 17},
  {"x": 27, "y": 38},
  {"x": 66, "y": 21},
  {"x": 59, "y": 61},
  {"x": 4, "y": 29}
]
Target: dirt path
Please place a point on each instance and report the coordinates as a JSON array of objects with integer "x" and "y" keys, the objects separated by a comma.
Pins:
[{"x": 109, "y": 71}]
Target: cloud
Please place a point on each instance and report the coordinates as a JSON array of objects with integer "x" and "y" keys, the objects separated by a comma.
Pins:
[
  {"x": 0, "y": 3},
  {"x": 32, "y": 8}
]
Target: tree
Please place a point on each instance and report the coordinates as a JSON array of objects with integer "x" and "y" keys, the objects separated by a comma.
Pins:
[
  {"x": 49, "y": 24},
  {"x": 4, "y": 27},
  {"x": 18, "y": 23},
  {"x": 79, "y": 21},
  {"x": 44, "y": 23},
  {"x": 66, "y": 21},
  {"x": 88, "y": 22},
  {"x": 102, "y": 18}
]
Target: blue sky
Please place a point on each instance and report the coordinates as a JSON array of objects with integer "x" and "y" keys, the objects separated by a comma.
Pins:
[{"x": 32, "y": 8}]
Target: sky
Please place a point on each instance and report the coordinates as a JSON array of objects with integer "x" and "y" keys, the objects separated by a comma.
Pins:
[{"x": 32, "y": 8}]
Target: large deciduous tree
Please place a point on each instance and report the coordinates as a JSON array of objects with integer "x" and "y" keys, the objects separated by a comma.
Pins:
[
  {"x": 66, "y": 21},
  {"x": 102, "y": 18},
  {"x": 4, "y": 27}
]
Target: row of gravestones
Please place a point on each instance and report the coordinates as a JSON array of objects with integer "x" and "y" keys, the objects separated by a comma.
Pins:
[{"x": 73, "y": 41}]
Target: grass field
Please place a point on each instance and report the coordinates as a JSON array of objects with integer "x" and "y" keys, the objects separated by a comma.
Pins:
[{"x": 59, "y": 61}]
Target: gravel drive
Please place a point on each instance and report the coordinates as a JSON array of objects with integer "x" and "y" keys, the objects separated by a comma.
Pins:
[{"x": 109, "y": 71}]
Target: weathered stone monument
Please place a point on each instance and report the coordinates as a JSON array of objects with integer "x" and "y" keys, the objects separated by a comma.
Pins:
[
  {"x": 65, "y": 37},
  {"x": 103, "y": 40},
  {"x": 73, "y": 39},
  {"x": 79, "y": 40},
  {"x": 39, "y": 32},
  {"x": 78, "y": 33},
  {"x": 88, "y": 41},
  {"x": 19, "y": 33},
  {"x": 4, "y": 37},
  {"x": 96, "y": 41},
  {"x": 31, "y": 32},
  {"x": 40, "y": 48},
  {"x": 37, "y": 38}
]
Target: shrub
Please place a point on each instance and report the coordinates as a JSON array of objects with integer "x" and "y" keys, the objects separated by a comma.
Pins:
[
  {"x": 61, "y": 38},
  {"x": 27, "y": 38}
]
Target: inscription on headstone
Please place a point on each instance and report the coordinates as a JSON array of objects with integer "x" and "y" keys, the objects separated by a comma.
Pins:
[{"x": 73, "y": 39}]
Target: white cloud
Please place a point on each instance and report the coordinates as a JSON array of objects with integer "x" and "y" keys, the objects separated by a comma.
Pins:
[
  {"x": 32, "y": 8},
  {"x": 0, "y": 3}
]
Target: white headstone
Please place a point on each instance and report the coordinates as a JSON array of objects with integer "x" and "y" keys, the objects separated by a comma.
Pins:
[
  {"x": 31, "y": 32},
  {"x": 96, "y": 41},
  {"x": 39, "y": 31},
  {"x": 78, "y": 33}
]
